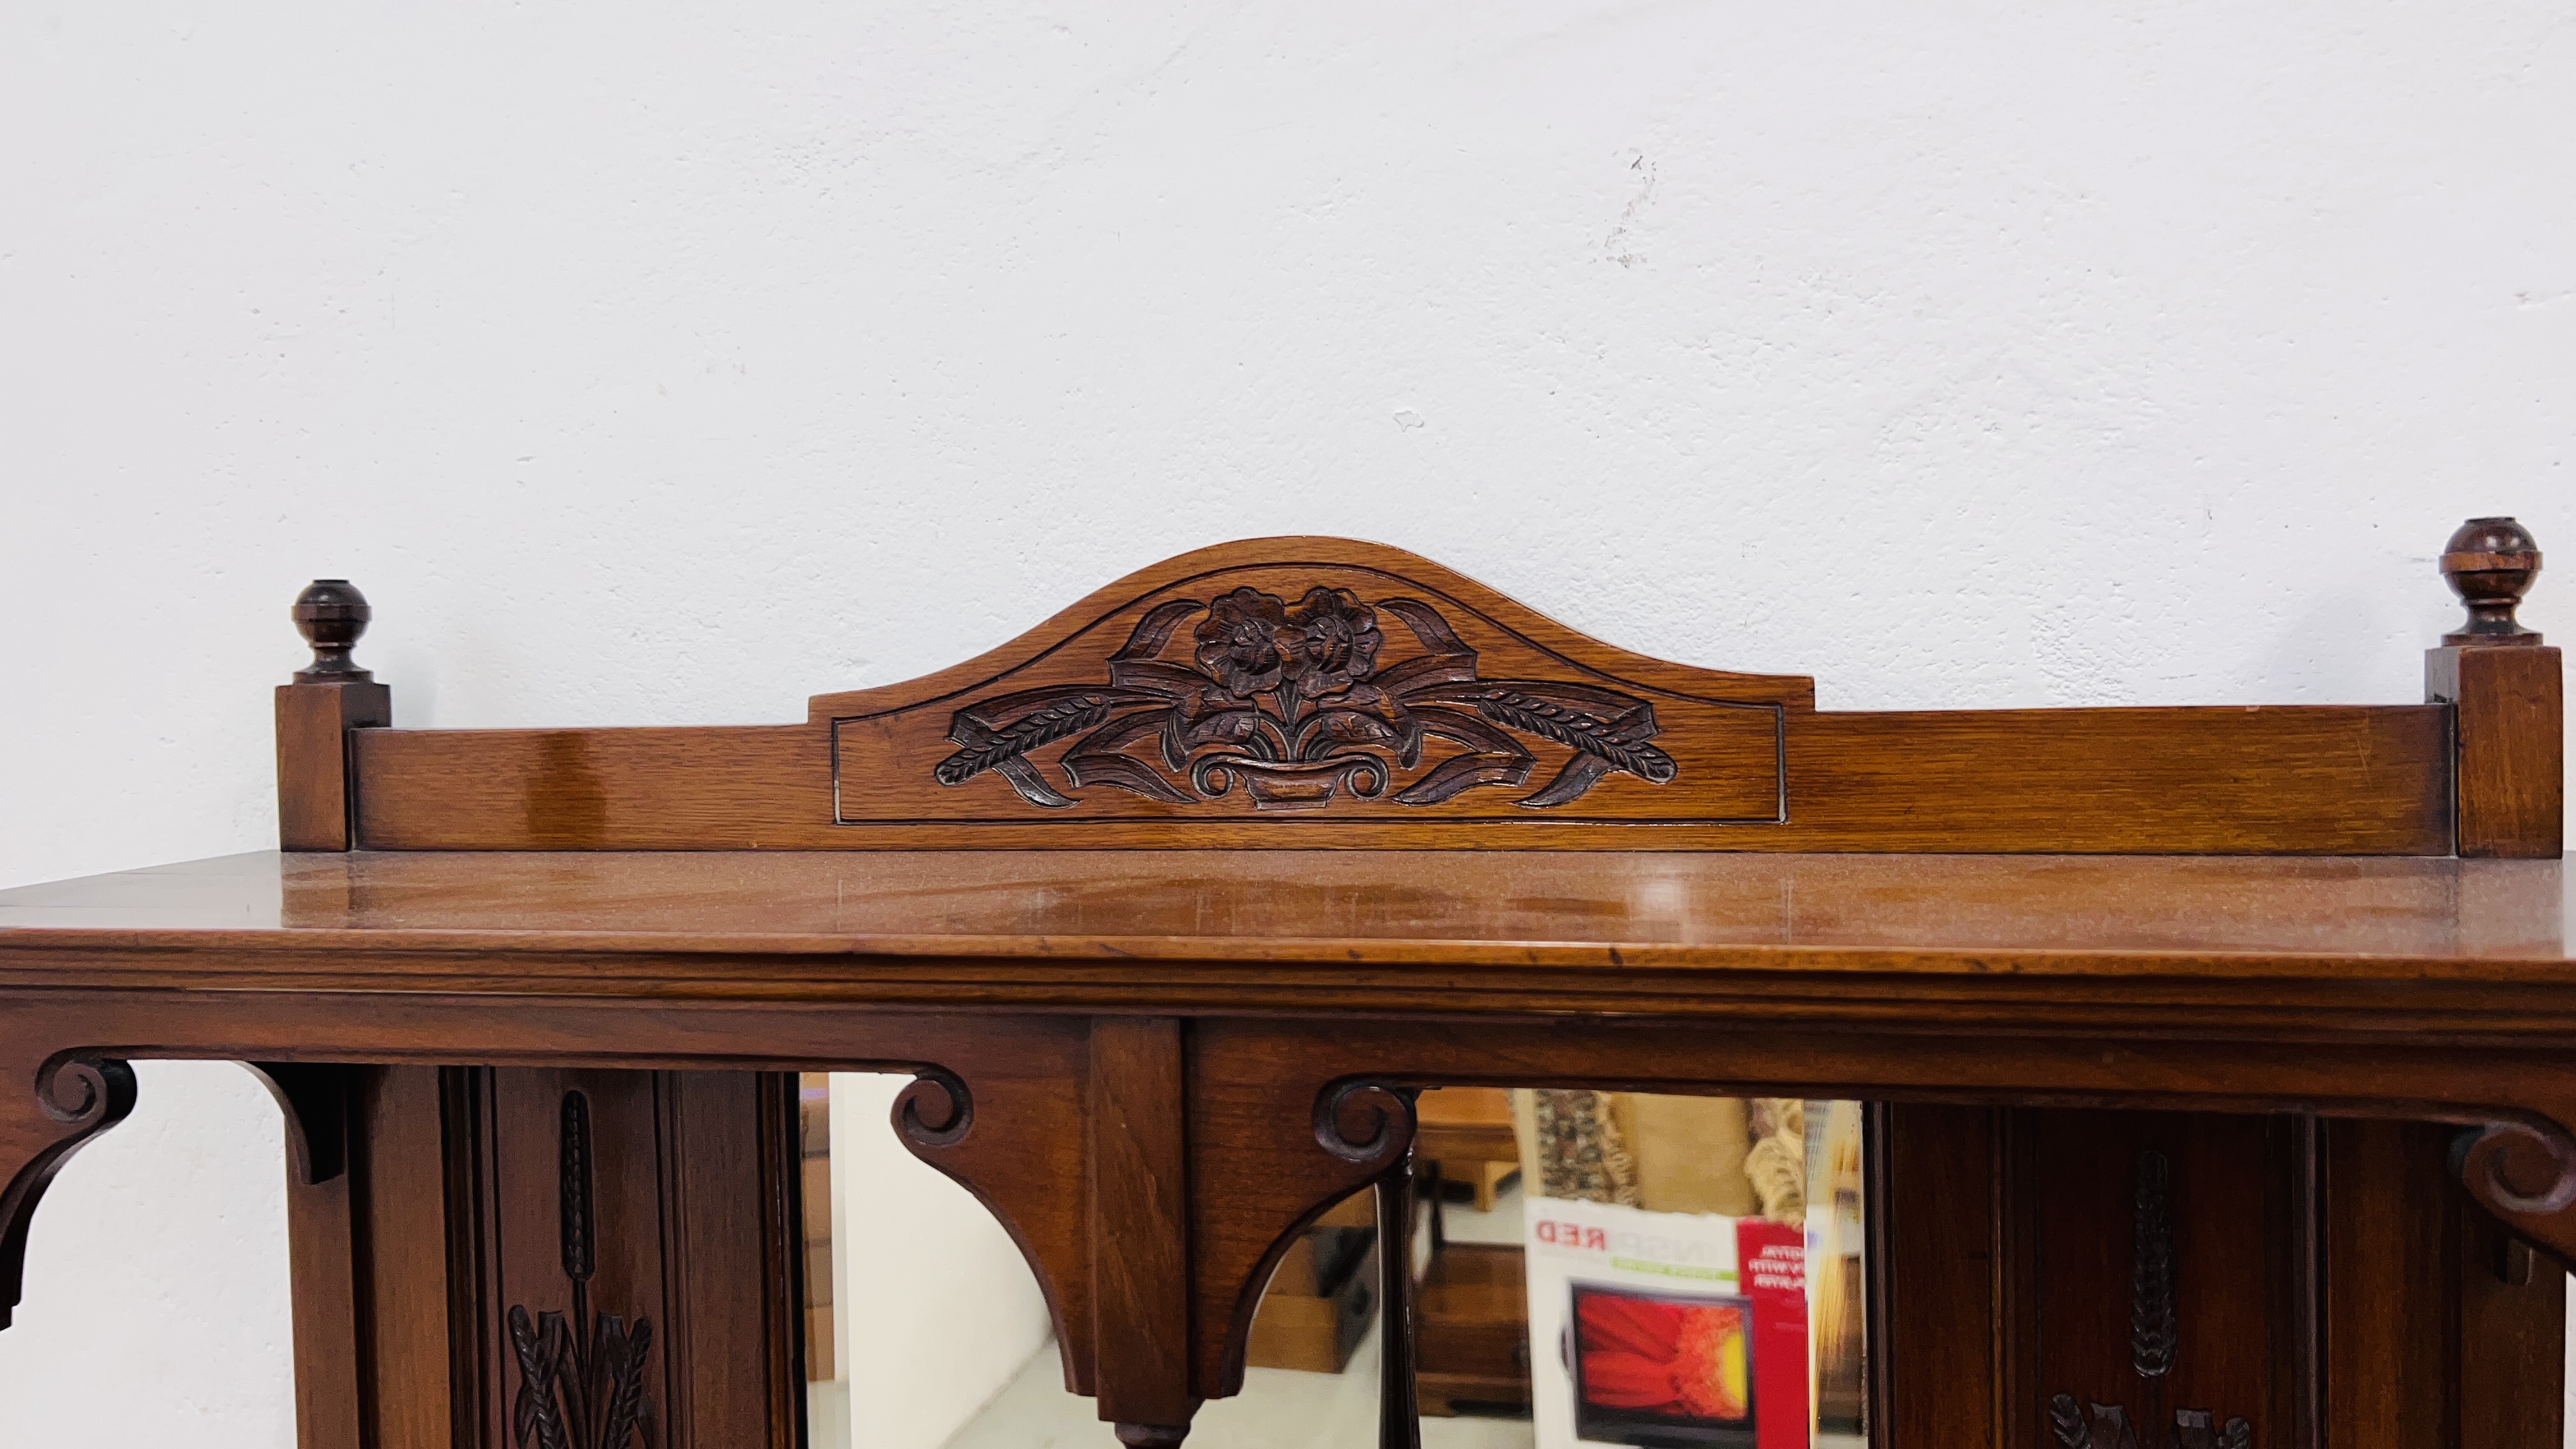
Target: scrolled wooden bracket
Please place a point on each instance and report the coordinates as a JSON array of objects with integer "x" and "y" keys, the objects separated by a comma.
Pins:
[
  {"x": 1014, "y": 1139},
  {"x": 1372, "y": 1124},
  {"x": 1365, "y": 1123},
  {"x": 315, "y": 1099},
  {"x": 2525, "y": 1174},
  {"x": 1274, "y": 1146},
  {"x": 77, "y": 1096},
  {"x": 937, "y": 1110}
]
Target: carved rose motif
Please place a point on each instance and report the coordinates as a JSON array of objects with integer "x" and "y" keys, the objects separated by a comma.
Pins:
[
  {"x": 1332, "y": 639},
  {"x": 1291, "y": 702},
  {"x": 1239, "y": 642}
]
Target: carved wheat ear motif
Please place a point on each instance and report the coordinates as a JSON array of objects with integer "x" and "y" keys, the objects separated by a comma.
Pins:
[
  {"x": 536, "y": 1418},
  {"x": 2192, "y": 1430},
  {"x": 2108, "y": 1427},
  {"x": 581, "y": 1385},
  {"x": 2153, "y": 1332},
  {"x": 2066, "y": 1422},
  {"x": 580, "y": 1239}
]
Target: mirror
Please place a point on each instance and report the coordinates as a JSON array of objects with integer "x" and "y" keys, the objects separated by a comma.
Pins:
[
  {"x": 1591, "y": 1268},
  {"x": 1622, "y": 1268},
  {"x": 923, "y": 1322}
]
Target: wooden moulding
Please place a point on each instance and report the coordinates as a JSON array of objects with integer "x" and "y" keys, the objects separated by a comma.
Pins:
[
  {"x": 1008, "y": 1110},
  {"x": 1420, "y": 710}
]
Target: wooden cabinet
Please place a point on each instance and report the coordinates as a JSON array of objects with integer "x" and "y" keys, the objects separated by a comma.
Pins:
[{"x": 2226, "y": 1050}]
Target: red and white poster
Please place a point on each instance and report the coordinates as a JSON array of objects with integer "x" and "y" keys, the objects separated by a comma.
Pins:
[{"x": 1665, "y": 1330}]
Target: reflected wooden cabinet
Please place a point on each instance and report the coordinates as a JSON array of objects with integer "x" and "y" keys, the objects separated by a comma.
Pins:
[{"x": 2218, "y": 1057}]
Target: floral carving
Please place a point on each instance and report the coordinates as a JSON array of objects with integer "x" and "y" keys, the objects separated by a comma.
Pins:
[
  {"x": 1239, "y": 643},
  {"x": 1299, "y": 703}
]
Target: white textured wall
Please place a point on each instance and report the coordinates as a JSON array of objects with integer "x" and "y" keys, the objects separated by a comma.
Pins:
[
  {"x": 935, "y": 1304},
  {"x": 656, "y": 367}
]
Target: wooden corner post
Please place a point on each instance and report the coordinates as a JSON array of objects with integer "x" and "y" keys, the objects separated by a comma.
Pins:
[
  {"x": 327, "y": 1222},
  {"x": 2508, "y": 793},
  {"x": 316, "y": 794}
]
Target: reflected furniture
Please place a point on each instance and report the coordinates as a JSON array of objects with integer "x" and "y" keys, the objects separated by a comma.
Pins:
[
  {"x": 1467, "y": 1132},
  {"x": 2221, "y": 1089}
]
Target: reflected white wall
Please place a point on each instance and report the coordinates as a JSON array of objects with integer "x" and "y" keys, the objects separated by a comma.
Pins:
[
  {"x": 935, "y": 1305},
  {"x": 116, "y": 1342}
]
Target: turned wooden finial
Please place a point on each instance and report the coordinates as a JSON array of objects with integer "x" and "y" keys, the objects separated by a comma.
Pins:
[
  {"x": 2490, "y": 563},
  {"x": 332, "y": 614}
]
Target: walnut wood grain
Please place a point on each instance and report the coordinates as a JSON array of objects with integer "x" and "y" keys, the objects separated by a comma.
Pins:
[
  {"x": 316, "y": 788},
  {"x": 2390, "y": 1361},
  {"x": 1155, "y": 1062},
  {"x": 1467, "y": 721},
  {"x": 1254, "y": 1081},
  {"x": 320, "y": 1101},
  {"x": 2509, "y": 713},
  {"x": 1001, "y": 1109},
  {"x": 1140, "y": 1238},
  {"x": 2369, "y": 780},
  {"x": 1942, "y": 1202},
  {"x": 426, "y": 1370},
  {"x": 322, "y": 1237},
  {"x": 1623, "y": 925},
  {"x": 2426, "y": 1343},
  {"x": 2512, "y": 1330},
  {"x": 781, "y": 1304}
]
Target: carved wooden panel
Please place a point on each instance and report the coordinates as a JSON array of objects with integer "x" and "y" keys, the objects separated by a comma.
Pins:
[
  {"x": 629, "y": 1258},
  {"x": 2162, "y": 1244},
  {"x": 2155, "y": 1334},
  {"x": 1319, "y": 693},
  {"x": 581, "y": 1377},
  {"x": 1305, "y": 680}
]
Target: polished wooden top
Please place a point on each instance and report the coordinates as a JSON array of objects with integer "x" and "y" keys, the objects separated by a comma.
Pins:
[{"x": 2334, "y": 917}]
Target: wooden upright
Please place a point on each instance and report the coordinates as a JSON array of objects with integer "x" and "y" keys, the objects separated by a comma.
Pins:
[{"x": 2222, "y": 1061}]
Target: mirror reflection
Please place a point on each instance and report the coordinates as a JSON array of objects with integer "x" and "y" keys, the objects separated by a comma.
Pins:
[
  {"x": 922, "y": 1318},
  {"x": 1621, "y": 1268},
  {"x": 1591, "y": 1268}
]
